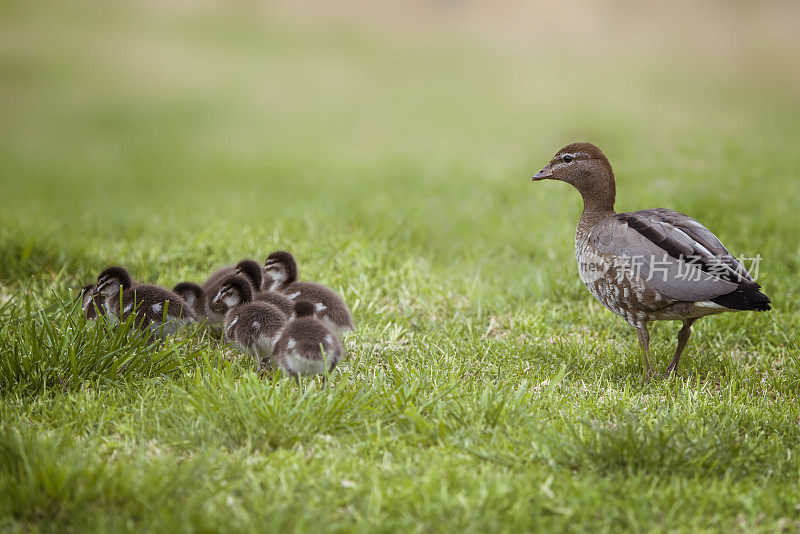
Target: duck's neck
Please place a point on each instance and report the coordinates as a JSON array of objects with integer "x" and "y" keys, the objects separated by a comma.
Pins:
[
  {"x": 112, "y": 304},
  {"x": 252, "y": 272},
  {"x": 592, "y": 215},
  {"x": 283, "y": 277},
  {"x": 278, "y": 282},
  {"x": 599, "y": 195},
  {"x": 245, "y": 295}
]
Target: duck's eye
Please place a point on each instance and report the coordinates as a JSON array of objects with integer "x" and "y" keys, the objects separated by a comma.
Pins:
[{"x": 567, "y": 158}]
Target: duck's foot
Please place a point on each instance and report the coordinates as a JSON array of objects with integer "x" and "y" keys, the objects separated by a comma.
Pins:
[{"x": 672, "y": 368}]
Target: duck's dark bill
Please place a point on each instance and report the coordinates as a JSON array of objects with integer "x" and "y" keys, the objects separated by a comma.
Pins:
[{"x": 544, "y": 173}]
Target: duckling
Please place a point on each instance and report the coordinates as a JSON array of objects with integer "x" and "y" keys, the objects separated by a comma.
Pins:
[
  {"x": 233, "y": 290},
  {"x": 306, "y": 346},
  {"x": 250, "y": 324},
  {"x": 252, "y": 271},
  {"x": 245, "y": 293},
  {"x": 92, "y": 306},
  {"x": 211, "y": 286},
  {"x": 253, "y": 326},
  {"x": 247, "y": 267},
  {"x": 281, "y": 268},
  {"x": 158, "y": 308},
  {"x": 193, "y": 295},
  {"x": 648, "y": 265}
]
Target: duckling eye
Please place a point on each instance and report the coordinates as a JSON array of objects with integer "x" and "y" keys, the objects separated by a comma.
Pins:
[{"x": 567, "y": 158}]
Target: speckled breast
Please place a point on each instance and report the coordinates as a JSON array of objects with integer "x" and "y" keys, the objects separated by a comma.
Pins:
[{"x": 616, "y": 284}]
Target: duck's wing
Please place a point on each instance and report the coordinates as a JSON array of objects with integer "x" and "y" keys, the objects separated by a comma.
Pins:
[
  {"x": 673, "y": 253},
  {"x": 702, "y": 236}
]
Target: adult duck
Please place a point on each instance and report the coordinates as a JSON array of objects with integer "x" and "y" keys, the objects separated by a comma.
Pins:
[{"x": 648, "y": 265}]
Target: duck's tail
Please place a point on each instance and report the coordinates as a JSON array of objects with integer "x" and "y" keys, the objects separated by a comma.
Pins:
[{"x": 746, "y": 297}]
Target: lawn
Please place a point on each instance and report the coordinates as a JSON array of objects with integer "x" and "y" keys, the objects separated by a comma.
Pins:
[{"x": 484, "y": 388}]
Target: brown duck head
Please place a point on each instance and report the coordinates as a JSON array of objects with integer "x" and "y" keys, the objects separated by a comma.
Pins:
[{"x": 587, "y": 169}]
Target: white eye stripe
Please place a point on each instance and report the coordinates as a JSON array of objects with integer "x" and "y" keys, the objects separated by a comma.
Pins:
[
  {"x": 573, "y": 155},
  {"x": 560, "y": 163}
]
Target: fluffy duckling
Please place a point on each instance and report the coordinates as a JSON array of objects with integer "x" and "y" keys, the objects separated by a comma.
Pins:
[
  {"x": 193, "y": 295},
  {"x": 160, "y": 309},
  {"x": 306, "y": 346},
  {"x": 329, "y": 307},
  {"x": 648, "y": 265},
  {"x": 252, "y": 327},
  {"x": 92, "y": 305},
  {"x": 247, "y": 267},
  {"x": 250, "y": 269},
  {"x": 244, "y": 292},
  {"x": 233, "y": 290},
  {"x": 250, "y": 324}
]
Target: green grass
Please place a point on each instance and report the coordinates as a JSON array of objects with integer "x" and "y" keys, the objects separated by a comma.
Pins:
[{"x": 484, "y": 389}]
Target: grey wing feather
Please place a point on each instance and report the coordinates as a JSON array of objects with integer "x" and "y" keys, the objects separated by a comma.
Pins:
[
  {"x": 702, "y": 236},
  {"x": 673, "y": 253}
]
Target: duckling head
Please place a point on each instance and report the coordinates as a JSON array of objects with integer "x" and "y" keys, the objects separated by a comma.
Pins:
[
  {"x": 111, "y": 280},
  {"x": 281, "y": 268},
  {"x": 189, "y": 291},
  {"x": 251, "y": 270},
  {"x": 303, "y": 309},
  {"x": 234, "y": 290}
]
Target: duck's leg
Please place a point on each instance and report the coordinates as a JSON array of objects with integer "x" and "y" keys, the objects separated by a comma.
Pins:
[
  {"x": 644, "y": 343},
  {"x": 683, "y": 338}
]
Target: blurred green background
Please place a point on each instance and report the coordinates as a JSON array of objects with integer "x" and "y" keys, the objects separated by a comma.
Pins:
[{"x": 148, "y": 126}]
